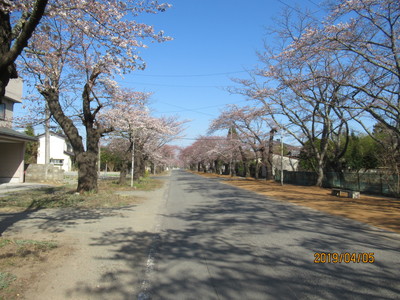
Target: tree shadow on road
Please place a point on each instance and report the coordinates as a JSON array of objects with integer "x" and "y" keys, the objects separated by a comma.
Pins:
[
  {"x": 235, "y": 244},
  {"x": 53, "y": 220}
]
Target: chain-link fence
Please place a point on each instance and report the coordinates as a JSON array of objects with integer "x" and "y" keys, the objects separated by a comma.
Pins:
[{"x": 372, "y": 183}]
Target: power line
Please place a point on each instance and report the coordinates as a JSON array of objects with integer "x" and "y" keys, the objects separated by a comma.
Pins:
[
  {"x": 192, "y": 75},
  {"x": 198, "y": 108},
  {"x": 187, "y": 109},
  {"x": 313, "y": 2},
  {"x": 300, "y": 11},
  {"x": 206, "y": 139},
  {"x": 173, "y": 85}
]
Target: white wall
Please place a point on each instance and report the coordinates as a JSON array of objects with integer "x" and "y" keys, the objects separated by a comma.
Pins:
[
  {"x": 57, "y": 148},
  {"x": 289, "y": 164}
]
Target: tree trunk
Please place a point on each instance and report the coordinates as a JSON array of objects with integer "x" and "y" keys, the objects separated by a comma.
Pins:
[
  {"x": 264, "y": 162},
  {"x": 5, "y": 44},
  {"x": 256, "y": 175},
  {"x": 320, "y": 176},
  {"x": 233, "y": 169},
  {"x": 9, "y": 53},
  {"x": 216, "y": 167},
  {"x": 245, "y": 162},
  {"x": 87, "y": 172},
  {"x": 86, "y": 159},
  {"x": 123, "y": 173}
]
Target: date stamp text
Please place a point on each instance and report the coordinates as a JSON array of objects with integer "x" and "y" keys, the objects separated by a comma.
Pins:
[{"x": 346, "y": 257}]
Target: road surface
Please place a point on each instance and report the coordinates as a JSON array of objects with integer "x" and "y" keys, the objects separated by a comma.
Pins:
[
  {"x": 197, "y": 238},
  {"x": 219, "y": 242}
]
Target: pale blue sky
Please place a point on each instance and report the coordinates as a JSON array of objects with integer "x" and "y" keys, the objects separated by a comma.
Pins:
[{"x": 214, "y": 40}]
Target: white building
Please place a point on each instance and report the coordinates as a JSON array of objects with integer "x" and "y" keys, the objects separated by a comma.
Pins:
[
  {"x": 286, "y": 163},
  {"x": 60, "y": 151}
]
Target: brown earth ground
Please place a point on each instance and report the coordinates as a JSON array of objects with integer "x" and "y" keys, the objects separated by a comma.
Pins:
[
  {"x": 30, "y": 262},
  {"x": 382, "y": 212}
]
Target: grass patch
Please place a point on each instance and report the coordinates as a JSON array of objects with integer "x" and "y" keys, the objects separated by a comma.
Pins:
[
  {"x": 17, "y": 254},
  {"x": 15, "y": 249},
  {"x": 142, "y": 184},
  {"x": 6, "y": 279},
  {"x": 65, "y": 196},
  {"x": 147, "y": 184}
]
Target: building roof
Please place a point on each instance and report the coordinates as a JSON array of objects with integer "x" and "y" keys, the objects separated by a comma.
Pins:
[
  {"x": 53, "y": 134},
  {"x": 10, "y": 135}
]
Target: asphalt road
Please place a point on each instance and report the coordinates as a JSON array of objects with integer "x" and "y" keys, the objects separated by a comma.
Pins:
[{"x": 219, "y": 242}]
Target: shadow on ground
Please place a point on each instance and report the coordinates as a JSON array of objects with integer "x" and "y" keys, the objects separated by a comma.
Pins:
[
  {"x": 54, "y": 220},
  {"x": 235, "y": 244}
]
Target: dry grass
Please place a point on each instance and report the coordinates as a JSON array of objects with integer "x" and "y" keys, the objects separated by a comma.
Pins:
[
  {"x": 65, "y": 196},
  {"x": 17, "y": 259},
  {"x": 383, "y": 212}
]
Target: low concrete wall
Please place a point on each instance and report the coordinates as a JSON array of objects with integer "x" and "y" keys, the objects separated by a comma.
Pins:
[{"x": 37, "y": 173}]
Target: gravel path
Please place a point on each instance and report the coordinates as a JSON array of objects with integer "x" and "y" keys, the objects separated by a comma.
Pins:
[{"x": 106, "y": 262}]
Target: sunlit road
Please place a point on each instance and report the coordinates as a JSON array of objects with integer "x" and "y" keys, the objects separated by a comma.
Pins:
[{"x": 219, "y": 242}]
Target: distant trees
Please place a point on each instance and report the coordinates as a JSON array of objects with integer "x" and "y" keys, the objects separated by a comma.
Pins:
[
  {"x": 363, "y": 153},
  {"x": 31, "y": 149},
  {"x": 209, "y": 153},
  {"x": 136, "y": 134},
  {"x": 110, "y": 159},
  {"x": 252, "y": 129}
]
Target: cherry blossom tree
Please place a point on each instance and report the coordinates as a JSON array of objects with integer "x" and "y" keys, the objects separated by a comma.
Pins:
[
  {"x": 18, "y": 20},
  {"x": 365, "y": 33},
  {"x": 299, "y": 93},
  {"x": 209, "y": 153},
  {"x": 73, "y": 56},
  {"x": 165, "y": 157},
  {"x": 251, "y": 126},
  {"x": 152, "y": 138},
  {"x": 145, "y": 135}
]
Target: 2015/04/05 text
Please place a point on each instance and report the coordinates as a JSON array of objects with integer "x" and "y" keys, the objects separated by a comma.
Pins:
[{"x": 346, "y": 257}]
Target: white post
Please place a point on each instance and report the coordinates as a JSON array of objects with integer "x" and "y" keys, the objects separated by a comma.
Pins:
[
  {"x": 133, "y": 161},
  {"x": 47, "y": 141},
  {"x": 231, "y": 160},
  {"x": 281, "y": 159},
  {"x": 99, "y": 160}
]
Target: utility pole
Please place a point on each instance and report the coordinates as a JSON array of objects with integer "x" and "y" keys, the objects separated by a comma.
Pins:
[
  {"x": 231, "y": 160},
  {"x": 47, "y": 141},
  {"x": 99, "y": 160},
  {"x": 133, "y": 161},
  {"x": 281, "y": 159}
]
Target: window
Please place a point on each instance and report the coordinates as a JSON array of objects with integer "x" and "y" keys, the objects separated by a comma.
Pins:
[
  {"x": 2, "y": 111},
  {"x": 56, "y": 161}
]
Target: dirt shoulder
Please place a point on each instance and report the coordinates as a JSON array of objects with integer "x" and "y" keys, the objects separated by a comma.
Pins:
[
  {"x": 382, "y": 212},
  {"x": 78, "y": 252}
]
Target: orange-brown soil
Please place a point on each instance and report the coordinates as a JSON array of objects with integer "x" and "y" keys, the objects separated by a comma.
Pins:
[{"x": 383, "y": 212}]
